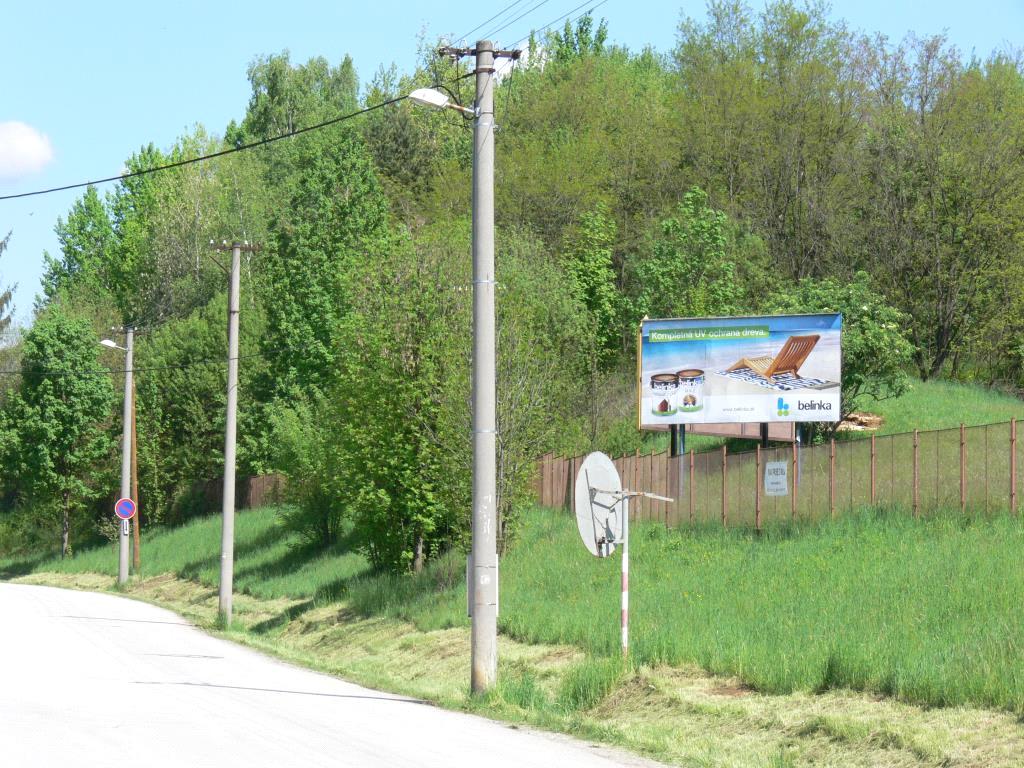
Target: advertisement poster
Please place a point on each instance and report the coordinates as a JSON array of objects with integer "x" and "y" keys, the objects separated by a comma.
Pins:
[{"x": 740, "y": 369}]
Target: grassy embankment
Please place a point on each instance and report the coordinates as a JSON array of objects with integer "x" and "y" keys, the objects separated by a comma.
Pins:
[
  {"x": 943, "y": 405},
  {"x": 923, "y": 613}
]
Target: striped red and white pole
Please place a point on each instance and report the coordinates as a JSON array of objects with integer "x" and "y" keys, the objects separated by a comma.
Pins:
[{"x": 625, "y": 577}]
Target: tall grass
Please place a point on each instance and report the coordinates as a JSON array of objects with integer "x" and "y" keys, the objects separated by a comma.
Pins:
[
  {"x": 924, "y": 611},
  {"x": 270, "y": 562}
]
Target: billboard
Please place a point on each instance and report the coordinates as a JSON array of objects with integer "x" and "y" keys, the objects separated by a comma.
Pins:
[{"x": 739, "y": 369}]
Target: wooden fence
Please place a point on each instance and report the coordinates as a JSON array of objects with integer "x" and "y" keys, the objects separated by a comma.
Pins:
[
  {"x": 250, "y": 492},
  {"x": 963, "y": 468}
]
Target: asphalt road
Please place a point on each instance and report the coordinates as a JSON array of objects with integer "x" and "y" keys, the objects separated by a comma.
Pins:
[{"x": 98, "y": 680}]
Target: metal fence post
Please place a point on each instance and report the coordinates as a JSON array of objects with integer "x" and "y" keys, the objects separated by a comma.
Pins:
[
  {"x": 636, "y": 483},
  {"x": 963, "y": 471},
  {"x": 832, "y": 479},
  {"x": 916, "y": 474},
  {"x": 691, "y": 485},
  {"x": 725, "y": 491},
  {"x": 873, "y": 465},
  {"x": 1013, "y": 466},
  {"x": 796, "y": 483},
  {"x": 757, "y": 489}
]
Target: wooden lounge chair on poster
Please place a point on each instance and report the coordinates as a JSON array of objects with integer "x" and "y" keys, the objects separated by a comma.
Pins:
[{"x": 788, "y": 360}]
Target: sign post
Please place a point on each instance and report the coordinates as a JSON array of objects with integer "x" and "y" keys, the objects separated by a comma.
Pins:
[{"x": 125, "y": 510}]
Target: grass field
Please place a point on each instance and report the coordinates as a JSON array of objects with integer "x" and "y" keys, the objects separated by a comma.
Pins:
[
  {"x": 943, "y": 405},
  {"x": 922, "y": 611}
]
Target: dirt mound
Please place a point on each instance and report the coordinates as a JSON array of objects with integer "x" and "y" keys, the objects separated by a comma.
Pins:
[{"x": 860, "y": 422}]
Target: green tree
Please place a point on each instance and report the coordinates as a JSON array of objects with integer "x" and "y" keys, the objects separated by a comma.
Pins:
[
  {"x": 6, "y": 294},
  {"x": 85, "y": 241},
  {"x": 387, "y": 450},
  {"x": 590, "y": 268},
  {"x": 565, "y": 146},
  {"x": 943, "y": 207},
  {"x": 579, "y": 41},
  {"x": 768, "y": 116},
  {"x": 287, "y": 97},
  {"x": 56, "y": 426},
  {"x": 335, "y": 227},
  {"x": 699, "y": 265},
  {"x": 180, "y": 386},
  {"x": 876, "y": 352}
]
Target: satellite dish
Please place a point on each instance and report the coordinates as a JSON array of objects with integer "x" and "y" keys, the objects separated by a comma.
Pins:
[{"x": 599, "y": 504}]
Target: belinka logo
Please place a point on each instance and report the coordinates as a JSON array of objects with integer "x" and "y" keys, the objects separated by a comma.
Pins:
[
  {"x": 783, "y": 407},
  {"x": 814, "y": 405}
]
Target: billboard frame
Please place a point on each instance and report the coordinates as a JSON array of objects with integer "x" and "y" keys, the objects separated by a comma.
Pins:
[{"x": 737, "y": 322}]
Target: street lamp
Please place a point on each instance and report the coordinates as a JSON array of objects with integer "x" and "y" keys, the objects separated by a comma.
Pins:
[
  {"x": 126, "y": 446},
  {"x": 483, "y": 570},
  {"x": 429, "y": 97}
]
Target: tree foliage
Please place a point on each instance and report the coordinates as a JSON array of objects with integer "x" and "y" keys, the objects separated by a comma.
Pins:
[
  {"x": 876, "y": 352},
  {"x": 700, "y": 264},
  {"x": 55, "y": 428}
]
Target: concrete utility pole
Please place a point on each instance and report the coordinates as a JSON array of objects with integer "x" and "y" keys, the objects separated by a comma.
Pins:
[
  {"x": 227, "y": 537},
  {"x": 484, "y": 642},
  {"x": 126, "y": 454},
  {"x": 484, "y": 553}
]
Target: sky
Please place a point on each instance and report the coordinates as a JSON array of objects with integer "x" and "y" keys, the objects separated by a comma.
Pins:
[{"x": 84, "y": 85}]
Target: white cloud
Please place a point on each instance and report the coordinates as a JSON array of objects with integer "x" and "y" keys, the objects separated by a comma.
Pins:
[{"x": 23, "y": 150}]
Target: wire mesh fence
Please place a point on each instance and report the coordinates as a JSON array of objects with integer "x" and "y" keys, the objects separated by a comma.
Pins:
[{"x": 971, "y": 469}]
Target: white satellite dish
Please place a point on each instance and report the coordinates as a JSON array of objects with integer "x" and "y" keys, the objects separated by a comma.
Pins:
[
  {"x": 602, "y": 515},
  {"x": 599, "y": 504}
]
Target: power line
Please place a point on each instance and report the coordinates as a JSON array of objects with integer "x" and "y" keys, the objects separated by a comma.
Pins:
[
  {"x": 589, "y": 10},
  {"x": 517, "y": 18},
  {"x": 499, "y": 13},
  {"x": 135, "y": 369},
  {"x": 211, "y": 156}
]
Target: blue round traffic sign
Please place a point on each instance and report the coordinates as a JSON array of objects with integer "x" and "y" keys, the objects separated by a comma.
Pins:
[{"x": 125, "y": 509}]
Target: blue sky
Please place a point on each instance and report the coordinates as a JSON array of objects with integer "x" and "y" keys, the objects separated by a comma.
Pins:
[{"x": 99, "y": 80}]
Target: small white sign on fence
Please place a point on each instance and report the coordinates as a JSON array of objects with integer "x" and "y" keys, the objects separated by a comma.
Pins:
[{"x": 775, "y": 483}]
